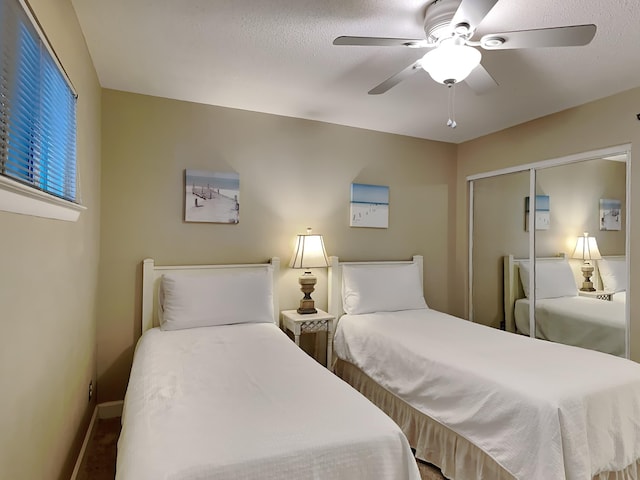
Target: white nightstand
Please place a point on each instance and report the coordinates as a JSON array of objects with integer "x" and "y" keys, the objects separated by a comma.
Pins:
[
  {"x": 310, "y": 323},
  {"x": 599, "y": 294}
]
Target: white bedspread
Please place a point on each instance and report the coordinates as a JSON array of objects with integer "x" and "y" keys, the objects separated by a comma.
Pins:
[
  {"x": 543, "y": 411},
  {"x": 579, "y": 321},
  {"x": 243, "y": 402}
]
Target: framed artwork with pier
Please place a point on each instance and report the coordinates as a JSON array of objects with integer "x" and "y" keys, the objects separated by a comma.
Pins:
[
  {"x": 369, "y": 206},
  {"x": 211, "y": 197}
]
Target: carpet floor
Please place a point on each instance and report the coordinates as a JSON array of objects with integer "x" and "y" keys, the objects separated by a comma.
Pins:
[{"x": 99, "y": 462}]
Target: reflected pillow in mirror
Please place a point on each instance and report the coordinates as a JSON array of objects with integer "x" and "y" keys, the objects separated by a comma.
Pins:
[
  {"x": 553, "y": 279},
  {"x": 613, "y": 272},
  {"x": 381, "y": 288}
]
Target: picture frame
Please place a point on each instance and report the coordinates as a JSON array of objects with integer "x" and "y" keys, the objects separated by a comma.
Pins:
[
  {"x": 369, "y": 206},
  {"x": 542, "y": 211},
  {"x": 211, "y": 197},
  {"x": 610, "y": 213}
]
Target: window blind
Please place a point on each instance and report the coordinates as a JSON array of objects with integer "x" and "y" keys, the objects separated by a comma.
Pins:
[{"x": 37, "y": 108}]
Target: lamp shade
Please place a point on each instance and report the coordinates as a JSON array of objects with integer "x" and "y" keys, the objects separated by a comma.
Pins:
[
  {"x": 586, "y": 248},
  {"x": 309, "y": 252},
  {"x": 450, "y": 63}
]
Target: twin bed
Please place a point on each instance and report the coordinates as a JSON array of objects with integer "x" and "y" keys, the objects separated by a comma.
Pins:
[
  {"x": 480, "y": 402},
  {"x": 220, "y": 392},
  {"x": 230, "y": 396},
  {"x": 561, "y": 314}
]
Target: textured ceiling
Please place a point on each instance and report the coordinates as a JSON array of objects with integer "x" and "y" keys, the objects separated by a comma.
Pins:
[{"x": 276, "y": 56}]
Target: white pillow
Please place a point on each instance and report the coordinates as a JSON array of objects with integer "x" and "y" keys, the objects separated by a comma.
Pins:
[
  {"x": 613, "y": 272},
  {"x": 381, "y": 288},
  {"x": 221, "y": 297},
  {"x": 553, "y": 279}
]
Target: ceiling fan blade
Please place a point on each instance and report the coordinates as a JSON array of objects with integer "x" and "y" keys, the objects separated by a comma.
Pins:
[
  {"x": 472, "y": 12},
  {"x": 395, "y": 79},
  {"x": 380, "y": 42},
  {"x": 572, "y": 36},
  {"x": 480, "y": 81}
]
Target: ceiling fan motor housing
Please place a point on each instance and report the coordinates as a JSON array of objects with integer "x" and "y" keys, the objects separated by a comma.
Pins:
[{"x": 437, "y": 20}]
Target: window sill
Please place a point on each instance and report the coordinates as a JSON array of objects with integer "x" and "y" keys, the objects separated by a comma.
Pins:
[{"x": 18, "y": 198}]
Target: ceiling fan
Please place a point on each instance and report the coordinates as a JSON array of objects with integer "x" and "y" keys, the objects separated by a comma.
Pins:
[{"x": 453, "y": 57}]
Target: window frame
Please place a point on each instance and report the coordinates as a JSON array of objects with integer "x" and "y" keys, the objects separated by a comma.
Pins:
[{"x": 23, "y": 198}]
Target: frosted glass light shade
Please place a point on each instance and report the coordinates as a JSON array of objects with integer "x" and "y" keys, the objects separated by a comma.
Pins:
[{"x": 450, "y": 63}]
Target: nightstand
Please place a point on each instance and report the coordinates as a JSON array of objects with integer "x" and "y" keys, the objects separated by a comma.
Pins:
[
  {"x": 310, "y": 323},
  {"x": 599, "y": 294}
]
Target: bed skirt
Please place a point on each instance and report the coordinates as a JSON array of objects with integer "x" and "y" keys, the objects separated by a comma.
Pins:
[{"x": 434, "y": 443}]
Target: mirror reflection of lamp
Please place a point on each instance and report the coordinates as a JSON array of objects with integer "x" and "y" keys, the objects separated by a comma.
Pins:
[
  {"x": 587, "y": 250},
  {"x": 309, "y": 253}
]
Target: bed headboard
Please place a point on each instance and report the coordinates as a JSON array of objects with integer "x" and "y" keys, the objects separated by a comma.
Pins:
[
  {"x": 335, "y": 279},
  {"x": 152, "y": 274},
  {"x": 513, "y": 287},
  {"x": 597, "y": 277}
]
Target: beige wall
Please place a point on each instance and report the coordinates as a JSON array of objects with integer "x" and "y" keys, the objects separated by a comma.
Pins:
[
  {"x": 574, "y": 190},
  {"x": 48, "y": 285},
  {"x": 293, "y": 174},
  {"x": 603, "y": 123}
]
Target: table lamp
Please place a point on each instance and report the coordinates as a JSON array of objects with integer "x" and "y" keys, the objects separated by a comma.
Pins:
[
  {"x": 587, "y": 250},
  {"x": 309, "y": 253}
]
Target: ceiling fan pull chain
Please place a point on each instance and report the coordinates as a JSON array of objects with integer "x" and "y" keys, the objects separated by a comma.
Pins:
[{"x": 452, "y": 98}]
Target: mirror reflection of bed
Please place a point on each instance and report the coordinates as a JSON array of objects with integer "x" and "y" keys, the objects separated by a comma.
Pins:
[
  {"x": 563, "y": 313},
  {"x": 574, "y": 187}
]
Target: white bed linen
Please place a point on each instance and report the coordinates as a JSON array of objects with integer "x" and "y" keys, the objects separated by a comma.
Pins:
[
  {"x": 579, "y": 321},
  {"x": 541, "y": 410},
  {"x": 243, "y": 402},
  {"x": 620, "y": 297}
]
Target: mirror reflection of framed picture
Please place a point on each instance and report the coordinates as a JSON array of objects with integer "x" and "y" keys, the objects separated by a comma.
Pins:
[
  {"x": 211, "y": 197},
  {"x": 543, "y": 213},
  {"x": 610, "y": 214}
]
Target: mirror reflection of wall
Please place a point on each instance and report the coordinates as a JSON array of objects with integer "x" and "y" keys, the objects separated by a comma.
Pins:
[
  {"x": 498, "y": 230},
  {"x": 572, "y": 194}
]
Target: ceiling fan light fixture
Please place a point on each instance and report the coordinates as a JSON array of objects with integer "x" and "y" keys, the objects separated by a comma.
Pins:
[
  {"x": 492, "y": 42},
  {"x": 450, "y": 63}
]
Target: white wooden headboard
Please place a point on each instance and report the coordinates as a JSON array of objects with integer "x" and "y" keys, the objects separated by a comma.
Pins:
[
  {"x": 335, "y": 279},
  {"x": 513, "y": 287},
  {"x": 596, "y": 274},
  {"x": 152, "y": 274}
]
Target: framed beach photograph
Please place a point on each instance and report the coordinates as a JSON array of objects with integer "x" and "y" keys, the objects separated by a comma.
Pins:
[
  {"x": 610, "y": 214},
  {"x": 369, "y": 206},
  {"x": 543, "y": 213},
  {"x": 211, "y": 197}
]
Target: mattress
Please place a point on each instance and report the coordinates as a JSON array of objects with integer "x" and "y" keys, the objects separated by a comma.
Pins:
[
  {"x": 519, "y": 399},
  {"x": 578, "y": 321},
  {"x": 242, "y": 401}
]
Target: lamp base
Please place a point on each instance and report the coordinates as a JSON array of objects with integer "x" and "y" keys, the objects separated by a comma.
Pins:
[
  {"x": 306, "y": 310},
  {"x": 307, "y": 283},
  {"x": 587, "y": 284}
]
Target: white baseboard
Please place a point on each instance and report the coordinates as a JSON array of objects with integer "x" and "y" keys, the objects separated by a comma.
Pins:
[
  {"x": 102, "y": 410},
  {"x": 110, "y": 409}
]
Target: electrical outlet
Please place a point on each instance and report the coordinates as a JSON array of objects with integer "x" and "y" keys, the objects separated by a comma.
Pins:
[{"x": 90, "y": 390}]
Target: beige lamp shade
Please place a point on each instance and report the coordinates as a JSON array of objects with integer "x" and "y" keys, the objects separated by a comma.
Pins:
[
  {"x": 309, "y": 252},
  {"x": 586, "y": 248}
]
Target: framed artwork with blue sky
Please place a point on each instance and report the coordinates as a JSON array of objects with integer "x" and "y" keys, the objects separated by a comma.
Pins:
[{"x": 369, "y": 206}]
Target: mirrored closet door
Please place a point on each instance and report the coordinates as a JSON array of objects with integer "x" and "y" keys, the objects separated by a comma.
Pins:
[{"x": 570, "y": 215}]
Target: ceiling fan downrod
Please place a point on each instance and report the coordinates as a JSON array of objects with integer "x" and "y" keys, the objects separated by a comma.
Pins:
[{"x": 451, "y": 85}]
